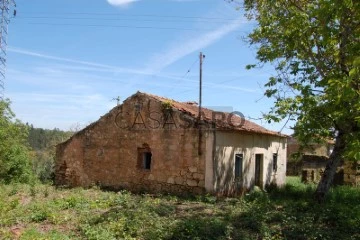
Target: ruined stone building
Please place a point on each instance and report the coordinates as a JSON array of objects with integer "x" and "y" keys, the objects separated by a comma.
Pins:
[
  {"x": 154, "y": 144},
  {"x": 311, "y": 161},
  {"x": 318, "y": 149},
  {"x": 295, "y": 155},
  {"x": 347, "y": 173},
  {"x": 313, "y": 167}
]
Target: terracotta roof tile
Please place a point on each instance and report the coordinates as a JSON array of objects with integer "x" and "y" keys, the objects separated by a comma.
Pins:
[{"x": 237, "y": 123}]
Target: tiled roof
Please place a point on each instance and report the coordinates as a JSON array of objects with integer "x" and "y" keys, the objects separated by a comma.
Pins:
[{"x": 237, "y": 123}]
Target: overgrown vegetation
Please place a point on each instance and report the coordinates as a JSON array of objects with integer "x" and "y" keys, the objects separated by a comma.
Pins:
[
  {"x": 314, "y": 48},
  {"x": 26, "y": 153},
  {"x": 15, "y": 165},
  {"x": 42, "y": 143},
  {"x": 43, "y": 212},
  {"x": 42, "y": 139}
]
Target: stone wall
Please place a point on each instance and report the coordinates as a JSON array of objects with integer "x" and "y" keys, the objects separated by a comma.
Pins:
[
  {"x": 109, "y": 152},
  {"x": 294, "y": 153},
  {"x": 352, "y": 173},
  {"x": 313, "y": 167}
]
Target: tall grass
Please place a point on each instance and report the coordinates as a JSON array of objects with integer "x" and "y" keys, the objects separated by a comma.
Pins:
[{"x": 43, "y": 212}]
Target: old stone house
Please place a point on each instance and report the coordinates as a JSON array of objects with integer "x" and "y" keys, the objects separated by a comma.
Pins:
[{"x": 156, "y": 144}]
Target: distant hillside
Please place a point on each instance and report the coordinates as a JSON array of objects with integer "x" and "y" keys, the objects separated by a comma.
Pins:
[
  {"x": 43, "y": 142},
  {"x": 42, "y": 139}
]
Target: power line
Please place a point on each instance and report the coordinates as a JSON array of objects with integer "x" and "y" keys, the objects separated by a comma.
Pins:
[
  {"x": 191, "y": 66},
  {"x": 83, "y": 16},
  {"x": 127, "y": 15},
  {"x": 183, "y": 77},
  {"x": 117, "y": 26},
  {"x": 119, "y": 19}
]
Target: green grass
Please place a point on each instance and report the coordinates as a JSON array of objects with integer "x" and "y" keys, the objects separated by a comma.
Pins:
[{"x": 43, "y": 212}]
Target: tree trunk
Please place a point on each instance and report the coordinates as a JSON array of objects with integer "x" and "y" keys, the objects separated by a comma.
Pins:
[{"x": 330, "y": 170}]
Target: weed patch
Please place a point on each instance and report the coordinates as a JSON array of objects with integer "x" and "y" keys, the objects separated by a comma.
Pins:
[{"x": 43, "y": 212}]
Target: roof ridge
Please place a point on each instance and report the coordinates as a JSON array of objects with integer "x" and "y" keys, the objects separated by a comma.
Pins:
[{"x": 244, "y": 124}]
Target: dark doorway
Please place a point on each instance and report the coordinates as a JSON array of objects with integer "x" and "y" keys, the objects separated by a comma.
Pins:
[
  {"x": 258, "y": 169},
  {"x": 147, "y": 160}
]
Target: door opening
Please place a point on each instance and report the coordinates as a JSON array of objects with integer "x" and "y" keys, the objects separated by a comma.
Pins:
[{"x": 258, "y": 169}]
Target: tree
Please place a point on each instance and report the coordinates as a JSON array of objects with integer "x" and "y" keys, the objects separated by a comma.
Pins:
[
  {"x": 314, "y": 46},
  {"x": 43, "y": 143},
  {"x": 15, "y": 165}
]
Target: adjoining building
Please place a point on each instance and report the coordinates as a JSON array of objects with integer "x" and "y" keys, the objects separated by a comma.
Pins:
[{"x": 310, "y": 163}]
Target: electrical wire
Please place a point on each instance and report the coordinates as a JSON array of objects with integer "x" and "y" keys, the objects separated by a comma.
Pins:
[
  {"x": 117, "y": 26},
  {"x": 183, "y": 77},
  {"x": 119, "y": 19},
  {"x": 127, "y": 15}
]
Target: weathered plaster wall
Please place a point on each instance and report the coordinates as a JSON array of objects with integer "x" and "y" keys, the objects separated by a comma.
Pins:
[
  {"x": 230, "y": 143},
  {"x": 106, "y": 153}
]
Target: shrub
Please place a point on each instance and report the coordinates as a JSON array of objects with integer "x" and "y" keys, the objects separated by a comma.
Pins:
[{"x": 14, "y": 154}]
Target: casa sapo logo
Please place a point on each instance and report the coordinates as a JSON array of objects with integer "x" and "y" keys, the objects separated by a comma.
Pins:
[{"x": 168, "y": 118}]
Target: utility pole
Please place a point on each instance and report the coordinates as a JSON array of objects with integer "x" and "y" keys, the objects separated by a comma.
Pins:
[
  {"x": 200, "y": 85},
  {"x": 5, "y": 6},
  {"x": 200, "y": 103}
]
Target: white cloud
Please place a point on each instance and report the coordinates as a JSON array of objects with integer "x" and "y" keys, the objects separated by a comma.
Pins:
[
  {"x": 182, "y": 49},
  {"x": 121, "y": 3}
]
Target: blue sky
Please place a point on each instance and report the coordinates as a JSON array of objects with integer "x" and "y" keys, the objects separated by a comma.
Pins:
[{"x": 68, "y": 59}]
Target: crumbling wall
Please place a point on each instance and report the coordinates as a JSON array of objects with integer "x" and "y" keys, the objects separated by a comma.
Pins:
[
  {"x": 69, "y": 163},
  {"x": 313, "y": 167}
]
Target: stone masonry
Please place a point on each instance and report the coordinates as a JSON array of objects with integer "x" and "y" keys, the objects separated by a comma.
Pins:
[{"x": 108, "y": 152}]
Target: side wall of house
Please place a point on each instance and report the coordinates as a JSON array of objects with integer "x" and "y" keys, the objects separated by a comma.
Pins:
[
  {"x": 110, "y": 153},
  {"x": 228, "y": 144},
  {"x": 69, "y": 163}
]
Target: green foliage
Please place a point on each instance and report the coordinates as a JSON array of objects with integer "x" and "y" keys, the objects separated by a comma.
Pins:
[
  {"x": 43, "y": 139},
  {"x": 314, "y": 46},
  {"x": 43, "y": 142},
  {"x": 43, "y": 165},
  {"x": 15, "y": 163},
  {"x": 167, "y": 105},
  {"x": 33, "y": 233},
  {"x": 280, "y": 213}
]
